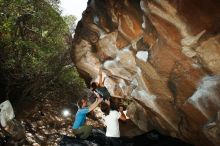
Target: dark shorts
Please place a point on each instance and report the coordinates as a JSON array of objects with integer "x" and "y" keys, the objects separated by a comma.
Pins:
[{"x": 114, "y": 141}]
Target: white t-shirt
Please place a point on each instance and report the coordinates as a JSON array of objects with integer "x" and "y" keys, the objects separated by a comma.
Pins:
[{"x": 112, "y": 124}]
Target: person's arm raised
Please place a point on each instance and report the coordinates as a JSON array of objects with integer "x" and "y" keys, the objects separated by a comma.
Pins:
[
  {"x": 122, "y": 117},
  {"x": 96, "y": 103},
  {"x": 101, "y": 82}
]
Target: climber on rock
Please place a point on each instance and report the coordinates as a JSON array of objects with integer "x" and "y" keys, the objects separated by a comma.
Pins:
[
  {"x": 79, "y": 128},
  {"x": 99, "y": 88}
]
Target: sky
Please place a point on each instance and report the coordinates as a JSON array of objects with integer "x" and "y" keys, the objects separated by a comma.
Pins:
[{"x": 73, "y": 7}]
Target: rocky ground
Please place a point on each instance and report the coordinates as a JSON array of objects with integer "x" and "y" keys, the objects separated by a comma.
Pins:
[{"x": 44, "y": 122}]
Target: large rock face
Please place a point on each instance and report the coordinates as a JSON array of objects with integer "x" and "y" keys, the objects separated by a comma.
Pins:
[{"x": 164, "y": 55}]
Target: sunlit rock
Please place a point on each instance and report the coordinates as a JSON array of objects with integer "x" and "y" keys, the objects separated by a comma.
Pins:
[
  {"x": 162, "y": 55},
  {"x": 35, "y": 144},
  {"x": 206, "y": 97}
]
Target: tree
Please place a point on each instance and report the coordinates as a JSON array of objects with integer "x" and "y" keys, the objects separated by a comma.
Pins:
[
  {"x": 70, "y": 21},
  {"x": 34, "y": 49}
]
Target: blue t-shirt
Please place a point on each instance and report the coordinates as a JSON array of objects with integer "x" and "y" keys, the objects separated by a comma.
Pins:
[{"x": 80, "y": 117}]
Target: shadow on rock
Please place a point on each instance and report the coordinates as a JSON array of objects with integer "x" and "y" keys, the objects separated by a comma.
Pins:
[
  {"x": 154, "y": 138},
  {"x": 72, "y": 141},
  {"x": 98, "y": 138}
]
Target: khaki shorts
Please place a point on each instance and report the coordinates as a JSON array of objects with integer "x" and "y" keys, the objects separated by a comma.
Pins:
[{"x": 83, "y": 132}]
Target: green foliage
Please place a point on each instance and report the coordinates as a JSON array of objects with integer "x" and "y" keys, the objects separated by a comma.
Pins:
[
  {"x": 70, "y": 81},
  {"x": 34, "y": 49},
  {"x": 70, "y": 21}
]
